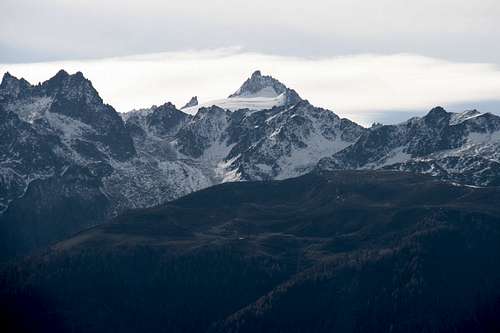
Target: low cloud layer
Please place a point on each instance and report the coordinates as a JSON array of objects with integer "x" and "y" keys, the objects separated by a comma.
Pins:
[{"x": 365, "y": 88}]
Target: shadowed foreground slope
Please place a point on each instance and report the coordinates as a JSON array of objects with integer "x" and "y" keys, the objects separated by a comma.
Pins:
[{"x": 347, "y": 251}]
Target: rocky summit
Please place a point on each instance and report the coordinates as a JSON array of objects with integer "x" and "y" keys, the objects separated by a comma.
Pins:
[
  {"x": 459, "y": 147},
  {"x": 263, "y": 85},
  {"x": 192, "y": 102}
]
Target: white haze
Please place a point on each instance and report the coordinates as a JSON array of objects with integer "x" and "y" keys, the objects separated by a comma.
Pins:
[{"x": 363, "y": 87}]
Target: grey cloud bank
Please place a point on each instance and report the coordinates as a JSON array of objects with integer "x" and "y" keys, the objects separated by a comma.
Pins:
[{"x": 32, "y": 30}]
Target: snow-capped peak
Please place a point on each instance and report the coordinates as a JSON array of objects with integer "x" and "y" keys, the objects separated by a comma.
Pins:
[
  {"x": 259, "y": 92},
  {"x": 259, "y": 85}
]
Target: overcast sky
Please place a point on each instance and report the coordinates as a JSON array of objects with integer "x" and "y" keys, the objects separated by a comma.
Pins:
[
  {"x": 424, "y": 45},
  {"x": 35, "y": 30}
]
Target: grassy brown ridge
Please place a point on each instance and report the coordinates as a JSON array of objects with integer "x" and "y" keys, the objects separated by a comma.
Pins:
[{"x": 346, "y": 251}]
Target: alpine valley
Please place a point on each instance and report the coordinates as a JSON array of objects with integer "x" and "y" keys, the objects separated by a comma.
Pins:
[{"x": 68, "y": 161}]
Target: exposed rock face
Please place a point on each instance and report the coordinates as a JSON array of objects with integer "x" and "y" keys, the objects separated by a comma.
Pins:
[
  {"x": 274, "y": 143},
  {"x": 277, "y": 143},
  {"x": 146, "y": 157},
  {"x": 58, "y": 140},
  {"x": 163, "y": 121},
  {"x": 192, "y": 102},
  {"x": 287, "y": 141},
  {"x": 263, "y": 85},
  {"x": 462, "y": 147},
  {"x": 259, "y": 92}
]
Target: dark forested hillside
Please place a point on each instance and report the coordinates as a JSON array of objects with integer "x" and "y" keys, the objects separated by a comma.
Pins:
[{"x": 346, "y": 251}]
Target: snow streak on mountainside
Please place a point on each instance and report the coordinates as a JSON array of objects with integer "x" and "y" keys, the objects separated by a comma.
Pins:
[
  {"x": 461, "y": 147},
  {"x": 273, "y": 143},
  {"x": 62, "y": 146},
  {"x": 145, "y": 157},
  {"x": 271, "y": 140},
  {"x": 67, "y": 123}
]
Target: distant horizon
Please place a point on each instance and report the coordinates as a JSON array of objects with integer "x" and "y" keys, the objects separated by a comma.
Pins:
[{"x": 351, "y": 86}]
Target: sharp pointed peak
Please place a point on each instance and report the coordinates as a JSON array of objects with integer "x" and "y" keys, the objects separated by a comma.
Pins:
[
  {"x": 167, "y": 106},
  {"x": 9, "y": 77},
  {"x": 58, "y": 78},
  {"x": 78, "y": 75},
  {"x": 256, "y": 73},
  {"x": 437, "y": 115},
  {"x": 192, "y": 102},
  {"x": 63, "y": 75},
  {"x": 71, "y": 83},
  {"x": 258, "y": 85},
  {"x": 11, "y": 82},
  {"x": 438, "y": 110}
]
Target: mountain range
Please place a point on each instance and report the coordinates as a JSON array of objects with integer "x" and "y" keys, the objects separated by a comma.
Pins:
[{"x": 68, "y": 161}]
